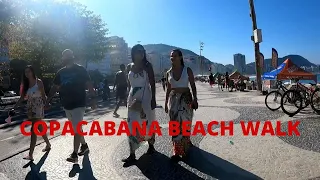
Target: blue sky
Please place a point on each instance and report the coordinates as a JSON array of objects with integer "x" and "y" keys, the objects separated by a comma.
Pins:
[{"x": 290, "y": 26}]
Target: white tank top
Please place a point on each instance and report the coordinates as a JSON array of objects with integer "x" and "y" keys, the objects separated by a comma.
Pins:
[
  {"x": 183, "y": 82},
  {"x": 138, "y": 79},
  {"x": 34, "y": 91}
]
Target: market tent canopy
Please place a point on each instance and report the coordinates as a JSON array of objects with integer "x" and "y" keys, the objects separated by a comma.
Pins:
[
  {"x": 273, "y": 74},
  {"x": 288, "y": 70},
  {"x": 236, "y": 74}
]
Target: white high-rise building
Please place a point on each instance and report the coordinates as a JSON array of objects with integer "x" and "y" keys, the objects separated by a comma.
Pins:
[
  {"x": 117, "y": 54},
  {"x": 103, "y": 66},
  {"x": 118, "y": 51},
  {"x": 240, "y": 62}
]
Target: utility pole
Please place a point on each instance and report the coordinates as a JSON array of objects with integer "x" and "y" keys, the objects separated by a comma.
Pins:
[
  {"x": 201, "y": 49},
  {"x": 256, "y": 45}
]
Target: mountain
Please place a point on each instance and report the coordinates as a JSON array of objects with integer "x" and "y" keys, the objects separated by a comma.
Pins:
[
  {"x": 296, "y": 59},
  {"x": 191, "y": 59}
]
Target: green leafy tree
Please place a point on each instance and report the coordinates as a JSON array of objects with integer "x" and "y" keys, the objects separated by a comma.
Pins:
[{"x": 48, "y": 27}]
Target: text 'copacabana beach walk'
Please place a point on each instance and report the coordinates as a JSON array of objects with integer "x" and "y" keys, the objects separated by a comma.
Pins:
[{"x": 108, "y": 128}]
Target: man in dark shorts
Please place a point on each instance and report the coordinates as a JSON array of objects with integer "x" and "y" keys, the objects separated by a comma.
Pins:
[
  {"x": 72, "y": 81},
  {"x": 163, "y": 80},
  {"x": 220, "y": 86},
  {"x": 106, "y": 90},
  {"x": 121, "y": 86}
]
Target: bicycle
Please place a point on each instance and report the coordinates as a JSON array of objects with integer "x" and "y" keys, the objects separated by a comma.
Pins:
[
  {"x": 277, "y": 94},
  {"x": 314, "y": 95},
  {"x": 306, "y": 93},
  {"x": 299, "y": 96}
]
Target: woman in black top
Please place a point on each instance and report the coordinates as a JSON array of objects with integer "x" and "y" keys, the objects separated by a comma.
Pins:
[
  {"x": 227, "y": 81},
  {"x": 211, "y": 80}
]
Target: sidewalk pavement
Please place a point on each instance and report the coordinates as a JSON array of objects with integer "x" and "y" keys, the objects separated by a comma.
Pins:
[
  {"x": 261, "y": 157},
  {"x": 12, "y": 142}
]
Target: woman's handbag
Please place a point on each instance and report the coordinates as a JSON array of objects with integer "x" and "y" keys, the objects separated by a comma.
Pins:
[{"x": 136, "y": 105}]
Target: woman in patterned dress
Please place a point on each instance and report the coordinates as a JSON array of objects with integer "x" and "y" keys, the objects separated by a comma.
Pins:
[
  {"x": 142, "y": 88},
  {"x": 32, "y": 89},
  {"x": 181, "y": 103}
]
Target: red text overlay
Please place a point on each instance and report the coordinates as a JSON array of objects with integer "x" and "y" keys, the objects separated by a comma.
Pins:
[{"x": 213, "y": 128}]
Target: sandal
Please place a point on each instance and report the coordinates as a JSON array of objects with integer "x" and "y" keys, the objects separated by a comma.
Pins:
[
  {"x": 46, "y": 149},
  {"x": 28, "y": 158}
]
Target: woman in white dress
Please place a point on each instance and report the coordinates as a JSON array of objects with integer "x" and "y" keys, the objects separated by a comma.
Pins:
[{"x": 141, "y": 95}]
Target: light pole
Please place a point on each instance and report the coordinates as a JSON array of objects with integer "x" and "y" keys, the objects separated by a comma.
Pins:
[
  {"x": 200, "y": 58},
  {"x": 256, "y": 45}
]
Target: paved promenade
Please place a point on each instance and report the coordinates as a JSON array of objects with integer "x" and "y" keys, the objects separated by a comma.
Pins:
[{"x": 231, "y": 157}]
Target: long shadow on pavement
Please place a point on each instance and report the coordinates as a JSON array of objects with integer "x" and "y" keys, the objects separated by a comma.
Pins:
[
  {"x": 86, "y": 172},
  {"x": 159, "y": 166},
  {"x": 217, "y": 167},
  {"x": 34, "y": 173}
]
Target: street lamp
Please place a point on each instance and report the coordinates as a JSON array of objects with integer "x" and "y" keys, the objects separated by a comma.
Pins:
[
  {"x": 256, "y": 38},
  {"x": 200, "y": 58}
]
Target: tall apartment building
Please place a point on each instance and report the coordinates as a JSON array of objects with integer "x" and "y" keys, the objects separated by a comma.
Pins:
[
  {"x": 240, "y": 62},
  {"x": 104, "y": 66},
  {"x": 268, "y": 66},
  {"x": 117, "y": 54}
]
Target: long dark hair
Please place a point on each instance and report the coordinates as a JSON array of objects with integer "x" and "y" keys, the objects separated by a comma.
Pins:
[
  {"x": 25, "y": 81},
  {"x": 179, "y": 54},
  {"x": 135, "y": 49}
]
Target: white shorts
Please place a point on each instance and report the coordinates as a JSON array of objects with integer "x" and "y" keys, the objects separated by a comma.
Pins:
[{"x": 75, "y": 116}]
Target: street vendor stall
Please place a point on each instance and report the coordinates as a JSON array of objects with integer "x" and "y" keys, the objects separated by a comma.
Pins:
[
  {"x": 239, "y": 79},
  {"x": 286, "y": 71},
  {"x": 235, "y": 76}
]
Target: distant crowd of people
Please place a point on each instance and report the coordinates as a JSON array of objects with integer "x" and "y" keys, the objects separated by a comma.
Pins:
[{"x": 224, "y": 82}]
